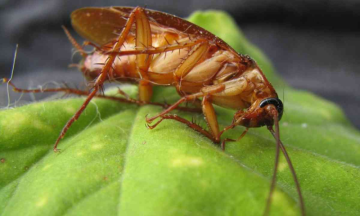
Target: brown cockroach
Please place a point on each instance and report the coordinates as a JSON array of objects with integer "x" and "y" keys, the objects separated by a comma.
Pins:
[{"x": 154, "y": 48}]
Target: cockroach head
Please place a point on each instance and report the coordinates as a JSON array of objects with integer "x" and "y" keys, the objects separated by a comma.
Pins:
[
  {"x": 275, "y": 102},
  {"x": 261, "y": 112}
]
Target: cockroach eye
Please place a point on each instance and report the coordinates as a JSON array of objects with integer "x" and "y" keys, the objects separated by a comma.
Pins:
[{"x": 273, "y": 101}]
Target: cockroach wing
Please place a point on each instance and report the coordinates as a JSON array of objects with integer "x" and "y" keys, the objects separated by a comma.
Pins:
[
  {"x": 98, "y": 25},
  {"x": 102, "y": 25},
  {"x": 171, "y": 23}
]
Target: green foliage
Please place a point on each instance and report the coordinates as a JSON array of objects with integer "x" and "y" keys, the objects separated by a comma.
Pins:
[{"x": 112, "y": 164}]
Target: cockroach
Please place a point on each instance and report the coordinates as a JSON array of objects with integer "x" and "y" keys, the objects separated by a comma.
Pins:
[{"x": 155, "y": 48}]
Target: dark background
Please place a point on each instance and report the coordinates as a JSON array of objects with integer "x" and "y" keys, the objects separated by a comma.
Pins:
[{"x": 314, "y": 45}]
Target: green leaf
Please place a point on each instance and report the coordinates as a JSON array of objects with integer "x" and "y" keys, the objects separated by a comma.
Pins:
[{"x": 112, "y": 164}]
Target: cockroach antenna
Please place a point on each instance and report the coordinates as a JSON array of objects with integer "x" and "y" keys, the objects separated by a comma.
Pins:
[
  {"x": 280, "y": 145},
  {"x": 74, "y": 43}
]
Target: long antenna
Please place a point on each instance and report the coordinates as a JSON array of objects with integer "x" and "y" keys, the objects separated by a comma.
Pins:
[
  {"x": 276, "y": 135},
  {"x": 74, "y": 43},
  {"x": 273, "y": 180}
]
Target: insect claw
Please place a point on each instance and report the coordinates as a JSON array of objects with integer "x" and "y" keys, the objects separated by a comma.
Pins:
[
  {"x": 156, "y": 124},
  {"x": 148, "y": 126},
  {"x": 148, "y": 119}
]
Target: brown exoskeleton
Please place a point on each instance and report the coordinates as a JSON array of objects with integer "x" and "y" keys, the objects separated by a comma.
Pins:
[{"x": 155, "y": 48}]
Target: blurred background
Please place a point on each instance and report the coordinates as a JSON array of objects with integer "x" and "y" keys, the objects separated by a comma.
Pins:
[{"x": 314, "y": 45}]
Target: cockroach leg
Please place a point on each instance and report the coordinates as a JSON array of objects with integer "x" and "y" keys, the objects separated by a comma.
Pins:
[
  {"x": 143, "y": 40},
  {"x": 154, "y": 125},
  {"x": 210, "y": 117},
  {"x": 232, "y": 140},
  {"x": 75, "y": 117},
  {"x": 103, "y": 75},
  {"x": 190, "y": 124},
  {"x": 127, "y": 99},
  {"x": 40, "y": 90},
  {"x": 207, "y": 108},
  {"x": 174, "y": 106}
]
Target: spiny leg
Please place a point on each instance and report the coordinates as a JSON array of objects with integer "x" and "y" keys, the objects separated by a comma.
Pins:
[
  {"x": 103, "y": 76},
  {"x": 210, "y": 117},
  {"x": 174, "y": 106},
  {"x": 190, "y": 124},
  {"x": 208, "y": 111},
  {"x": 197, "y": 128},
  {"x": 231, "y": 140},
  {"x": 127, "y": 99},
  {"x": 75, "y": 117},
  {"x": 189, "y": 62}
]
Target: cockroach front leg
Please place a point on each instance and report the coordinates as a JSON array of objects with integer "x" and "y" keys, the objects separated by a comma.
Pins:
[
  {"x": 210, "y": 117},
  {"x": 231, "y": 140},
  {"x": 208, "y": 111}
]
